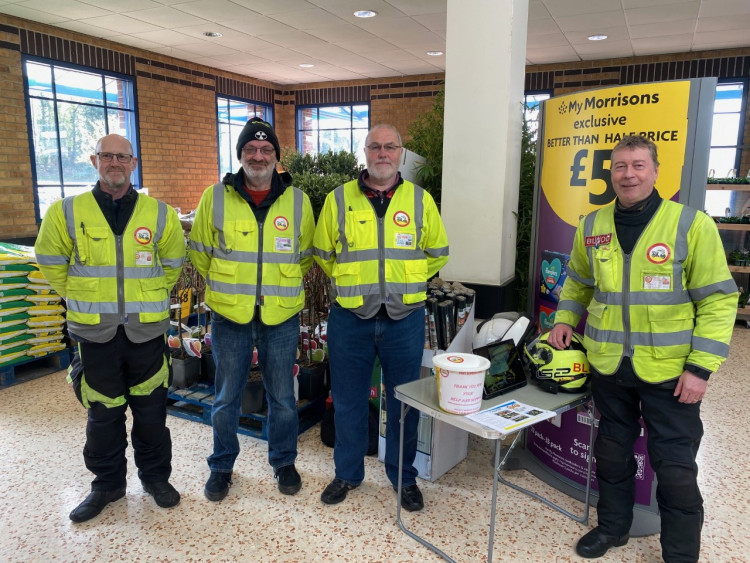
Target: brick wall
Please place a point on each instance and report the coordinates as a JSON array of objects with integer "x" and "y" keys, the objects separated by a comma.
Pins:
[{"x": 177, "y": 108}]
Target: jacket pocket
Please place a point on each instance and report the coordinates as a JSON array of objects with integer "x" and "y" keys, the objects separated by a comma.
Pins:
[
  {"x": 671, "y": 330},
  {"x": 361, "y": 229},
  {"x": 95, "y": 248},
  {"x": 415, "y": 281},
  {"x": 290, "y": 295},
  {"x": 606, "y": 263},
  {"x": 221, "y": 282},
  {"x": 347, "y": 279}
]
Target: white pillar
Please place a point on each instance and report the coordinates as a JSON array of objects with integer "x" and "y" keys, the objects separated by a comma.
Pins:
[{"x": 485, "y": 71}]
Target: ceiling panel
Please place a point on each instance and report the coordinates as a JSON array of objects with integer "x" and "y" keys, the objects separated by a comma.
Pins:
[{"x": 265, "y": 38}]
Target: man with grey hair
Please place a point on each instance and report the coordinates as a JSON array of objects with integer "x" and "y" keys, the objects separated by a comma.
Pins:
[{"x": 379, "y": 238}]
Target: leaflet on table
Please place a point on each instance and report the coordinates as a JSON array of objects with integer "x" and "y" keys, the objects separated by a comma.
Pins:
[{"x": 510, "y": 416}]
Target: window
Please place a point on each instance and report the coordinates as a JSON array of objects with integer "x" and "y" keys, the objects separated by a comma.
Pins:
[
  {"x": 69, "y": 109},
  {"x": 232, "y": 114},
  {"x": 726, "y": 142},
  {"x": 333, "y": 128},
  {"x": 531, "y": 104}
]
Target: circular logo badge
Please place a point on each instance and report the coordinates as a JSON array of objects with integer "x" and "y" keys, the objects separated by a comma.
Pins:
[
  {"x": 401, "y": 218},
  {"x": 281, "y": 223},
  {"x": 658, "y": 253},
  {"x": 455, "y": 359},
  {"x": 261, "y": 136},
  {"x": 143, "y": 235}
]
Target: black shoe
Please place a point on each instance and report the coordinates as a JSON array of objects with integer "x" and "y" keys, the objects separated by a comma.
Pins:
[
  {"x": 596, "y": 543},
  {"x": 336, "y": 491},
  {"x": 289, "y": 480},
  {"x": 411, "y": 498},
  {"x": 217, "y": 485},
  {"x": 164, "y": 494},
  {"x": 95, "y": 503}
]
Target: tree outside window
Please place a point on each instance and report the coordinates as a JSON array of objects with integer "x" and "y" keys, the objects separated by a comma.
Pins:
[{"x": 70, "y": 108}]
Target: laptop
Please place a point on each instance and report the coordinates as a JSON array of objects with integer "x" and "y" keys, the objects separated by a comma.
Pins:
[{"x": 506, "y": 369}]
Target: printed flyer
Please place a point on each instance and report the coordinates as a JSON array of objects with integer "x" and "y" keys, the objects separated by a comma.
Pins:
[{"x": 510, "y": 416}]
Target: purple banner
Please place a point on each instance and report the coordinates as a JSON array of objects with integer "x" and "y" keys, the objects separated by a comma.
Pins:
[{"x": 564, "y": 449}]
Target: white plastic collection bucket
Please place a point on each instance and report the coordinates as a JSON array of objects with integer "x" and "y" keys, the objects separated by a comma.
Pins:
[{"x": 460, "y": 379}]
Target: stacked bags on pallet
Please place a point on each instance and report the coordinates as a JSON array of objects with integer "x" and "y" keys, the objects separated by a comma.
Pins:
[{"x": 31, "y": 313}]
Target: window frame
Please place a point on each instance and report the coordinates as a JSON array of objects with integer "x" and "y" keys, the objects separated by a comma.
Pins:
[
  {"x": 268, "y": 115},
  {"x": 298, "y": 131},
  {"x": 55, "y": 99},
  {"x": 742, "y": 112}
]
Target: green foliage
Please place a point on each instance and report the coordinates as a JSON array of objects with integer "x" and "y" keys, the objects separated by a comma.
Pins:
[
  {"x": 427, "y": 141},
  {"x": 318, "y": 174},
  {"x": 740, "y": 180},
  {"x": 524, "y": 214}
]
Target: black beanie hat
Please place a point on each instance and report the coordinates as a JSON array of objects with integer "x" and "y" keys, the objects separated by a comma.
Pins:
[{"x": 257, "y": 130}]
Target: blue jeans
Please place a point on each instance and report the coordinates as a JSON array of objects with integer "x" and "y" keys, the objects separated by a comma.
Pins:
[
  {"x": 232, "y": 346},
  {"x": 353, "y": 344}
]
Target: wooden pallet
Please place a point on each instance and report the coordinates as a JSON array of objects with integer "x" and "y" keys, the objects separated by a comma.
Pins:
[
  {"x": 31, "y": 368},
  {"x": 195, "y": 403}
]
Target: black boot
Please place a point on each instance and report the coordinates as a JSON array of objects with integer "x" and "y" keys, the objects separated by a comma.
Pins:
[{"x": 95, "y": 503}]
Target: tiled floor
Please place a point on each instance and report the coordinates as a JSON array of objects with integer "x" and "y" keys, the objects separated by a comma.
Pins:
[{"x": 41, "y": 436}]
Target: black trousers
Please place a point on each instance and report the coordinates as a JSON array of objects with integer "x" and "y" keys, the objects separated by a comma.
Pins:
[
  {"x": 116, "y": 369},
  {"x": 674, "y": 434}
]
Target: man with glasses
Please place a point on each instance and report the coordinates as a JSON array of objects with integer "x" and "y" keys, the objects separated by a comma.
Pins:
[
  {"x": 252, "y": 241},
  {"x": 114, "y": 255},
  {"x": 379, "y": 238}
]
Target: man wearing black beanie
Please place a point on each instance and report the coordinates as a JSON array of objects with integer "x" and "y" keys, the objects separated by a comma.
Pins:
[
  {"x": 257, "y": 130},
  {"x": 252, "y": 240}
]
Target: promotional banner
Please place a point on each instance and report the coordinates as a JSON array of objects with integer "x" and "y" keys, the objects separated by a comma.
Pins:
[{"x": 563, "y": 445}]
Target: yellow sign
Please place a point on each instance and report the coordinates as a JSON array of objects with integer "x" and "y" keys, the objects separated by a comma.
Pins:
[
  {"x": 186, "y": 300},
  {"x": 581, "y": 129}
]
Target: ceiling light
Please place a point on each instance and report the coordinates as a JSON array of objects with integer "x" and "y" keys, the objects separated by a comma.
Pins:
[
  {"x": 365, "y": 14},
  {"x": 435, "y": 53},
  {"x": 212, "y": 34},
  {"x": 597, "y": 37},
  {"x": 306, "y": 65}
]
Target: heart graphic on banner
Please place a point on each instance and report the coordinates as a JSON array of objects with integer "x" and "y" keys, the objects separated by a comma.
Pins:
[
  {"x": 551, "y": 272},
  {"x": 546, "y": 322}
]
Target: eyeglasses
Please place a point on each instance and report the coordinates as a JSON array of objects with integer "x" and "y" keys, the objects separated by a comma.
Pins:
[
  {"x": 389, "y": 148},
  {"x": 265, "y": 151},
  {"x": 108, "y": 156}
]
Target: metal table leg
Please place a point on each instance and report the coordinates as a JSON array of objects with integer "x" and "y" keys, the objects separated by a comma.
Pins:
[{"x": 584, "y": 519}]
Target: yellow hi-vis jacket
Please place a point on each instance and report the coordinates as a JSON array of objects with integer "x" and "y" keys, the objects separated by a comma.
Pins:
[
  {"x": 374, "y": 260},
  {"x": 671, "y": 302},
  {"x": 109, "y": 280},
  {"x": 245, "y": 262}
]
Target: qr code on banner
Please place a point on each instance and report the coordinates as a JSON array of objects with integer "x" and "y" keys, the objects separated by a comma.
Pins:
[{"x": 640, "y": 459}]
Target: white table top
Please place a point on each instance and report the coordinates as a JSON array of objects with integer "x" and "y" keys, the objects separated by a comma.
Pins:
[{"x": 423, "y": 396}]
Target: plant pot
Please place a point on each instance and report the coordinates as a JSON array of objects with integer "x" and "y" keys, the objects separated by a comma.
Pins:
[
  {"x": 208, "y": 367},
  {"x": 254, "y": 394},
  {"x": 312, "y": 381},
  {"x": 185, "y": 371}
]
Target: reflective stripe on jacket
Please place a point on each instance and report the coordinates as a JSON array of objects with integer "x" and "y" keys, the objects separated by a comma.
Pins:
[
  {"x": 108, "y": 280},
  {"x": 670, "y": 302},
  {"x": 227, "y": 245},
  {"x": 374, "y": 260}
]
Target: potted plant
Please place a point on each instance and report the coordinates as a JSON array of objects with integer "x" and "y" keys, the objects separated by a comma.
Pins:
[
  {"x": 739, "y": 257},
  {"x": 185, "y": 354},
  {"x": 316, "y": 175}
]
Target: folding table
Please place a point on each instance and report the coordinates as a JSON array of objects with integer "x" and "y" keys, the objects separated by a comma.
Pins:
[{"x": 423, "y": 396}]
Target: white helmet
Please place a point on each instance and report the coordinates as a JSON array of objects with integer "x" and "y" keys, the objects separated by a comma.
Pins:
[{"x": 503, "y": 326}]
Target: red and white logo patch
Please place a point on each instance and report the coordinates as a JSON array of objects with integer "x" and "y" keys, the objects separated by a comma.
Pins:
[
  {"x": 658, "y": 253},
  {"x": 281, "y": 223},
  {"x": 401, "y": 218},
  {"x": 598, "y": 240},
  {"x": 143, "y": 235}
]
